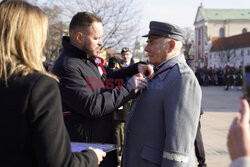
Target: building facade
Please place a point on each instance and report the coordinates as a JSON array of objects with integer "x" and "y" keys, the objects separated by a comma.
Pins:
[
  {"x": 231, "y": 51},
  {"x": 217, "y": 23}
]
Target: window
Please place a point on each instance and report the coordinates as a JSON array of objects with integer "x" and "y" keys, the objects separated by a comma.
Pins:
[
  {"x": 222, "y": 32},
  {"x": 244, "y": 30},
  {"x": 199, "y": 34}
]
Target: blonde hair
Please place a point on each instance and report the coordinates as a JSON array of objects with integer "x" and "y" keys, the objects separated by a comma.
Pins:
[{"x": 23, "y": 33}]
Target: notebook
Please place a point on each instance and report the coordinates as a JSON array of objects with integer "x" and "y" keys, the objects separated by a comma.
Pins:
[{"x": 78, "y": 147}]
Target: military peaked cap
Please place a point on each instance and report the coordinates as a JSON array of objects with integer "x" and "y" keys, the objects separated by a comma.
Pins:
[{"x": 165, "y": 30}]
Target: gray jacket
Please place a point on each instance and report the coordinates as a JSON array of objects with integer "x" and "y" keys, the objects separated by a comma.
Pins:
[{"x": 162, "y": 123}]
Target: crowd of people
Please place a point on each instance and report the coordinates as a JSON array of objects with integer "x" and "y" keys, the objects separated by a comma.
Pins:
[
  {"x": 229, "y": 77},
  {"x": 83, "y": 101}
]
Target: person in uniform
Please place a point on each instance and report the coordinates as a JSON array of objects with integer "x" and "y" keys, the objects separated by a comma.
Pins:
[
  {"x": 162, "y": 123},
  {"x": 127, "y": 57}
]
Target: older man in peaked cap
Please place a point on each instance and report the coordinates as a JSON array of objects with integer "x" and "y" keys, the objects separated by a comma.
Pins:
[{"x": 162, "y": 123}]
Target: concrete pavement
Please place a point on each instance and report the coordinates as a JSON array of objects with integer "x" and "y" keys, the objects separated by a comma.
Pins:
[{"x": 220, "y": 108}]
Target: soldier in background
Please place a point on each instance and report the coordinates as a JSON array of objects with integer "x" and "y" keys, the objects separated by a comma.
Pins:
[
  {"x": 120, "y": 115},
  {"x": 127, "y": 57}
]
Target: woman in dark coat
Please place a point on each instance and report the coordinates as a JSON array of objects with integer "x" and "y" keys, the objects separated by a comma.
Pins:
[{"x": 31, "y": 123}]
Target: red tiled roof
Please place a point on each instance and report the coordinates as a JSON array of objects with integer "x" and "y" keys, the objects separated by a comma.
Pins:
[{"x": 233, "y": 42}]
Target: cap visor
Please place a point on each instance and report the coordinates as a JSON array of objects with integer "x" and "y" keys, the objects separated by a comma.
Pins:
[{"x": 147, "y": 35}]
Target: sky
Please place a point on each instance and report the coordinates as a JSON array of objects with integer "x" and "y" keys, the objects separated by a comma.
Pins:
[{"x": 182, "y": 12}]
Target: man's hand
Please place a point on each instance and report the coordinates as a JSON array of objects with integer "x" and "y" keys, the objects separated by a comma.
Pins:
[
  {"x": 99, "y": 153},
  {"x": 138, "y": 82},
  {"x": 239, "y": 136},
  {"x": 146, "y": 70}
]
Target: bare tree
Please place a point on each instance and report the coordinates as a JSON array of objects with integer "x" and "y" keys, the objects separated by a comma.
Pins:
[
  {"x": 188, "y": 41},
  {"x": 226, "y": 53},
  {"x": 56, "y": 30},
  {"x": 226, "y": 56},
  {"x": 120, "y": 18}
]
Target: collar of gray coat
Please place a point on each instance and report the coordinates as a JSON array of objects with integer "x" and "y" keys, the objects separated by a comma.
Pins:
[{"x": 171, "y": 62}]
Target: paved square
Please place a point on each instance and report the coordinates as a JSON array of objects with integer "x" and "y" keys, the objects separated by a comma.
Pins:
[{"x": 220, "y": 108}]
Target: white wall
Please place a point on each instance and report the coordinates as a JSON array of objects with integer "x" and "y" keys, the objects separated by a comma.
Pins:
[{"x": 238, "y": 58}]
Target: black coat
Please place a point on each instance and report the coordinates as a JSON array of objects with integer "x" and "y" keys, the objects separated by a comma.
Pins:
[
  {"x": 121, "y": 113},
  {"x": 91, "y": 106},
  {"x": 32, "y": 129}
]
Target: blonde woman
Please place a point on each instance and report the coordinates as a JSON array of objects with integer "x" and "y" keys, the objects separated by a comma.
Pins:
[{"x": 31, "y": 122}]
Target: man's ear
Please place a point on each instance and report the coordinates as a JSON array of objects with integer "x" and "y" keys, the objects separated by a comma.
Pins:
[
  {"x": 171, "y": 45},
  {"x": 79, "y": 37}
]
